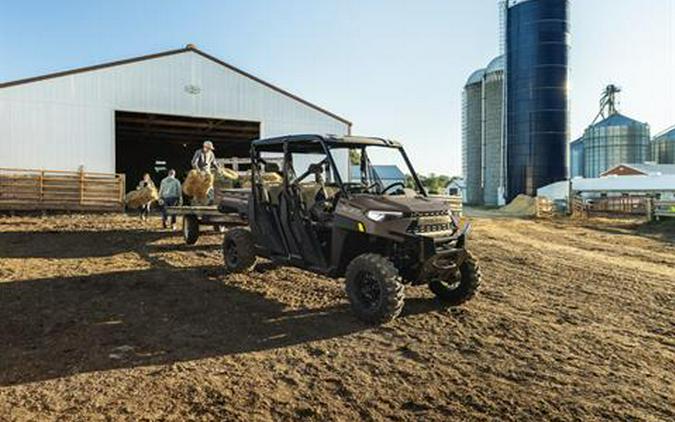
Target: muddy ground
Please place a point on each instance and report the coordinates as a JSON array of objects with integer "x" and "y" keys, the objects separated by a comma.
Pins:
[{"x": 102, "y": 317}]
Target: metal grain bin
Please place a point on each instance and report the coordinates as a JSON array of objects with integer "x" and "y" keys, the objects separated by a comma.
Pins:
[
  {"x": 537, "y": 45},
  {"x": 472, "y": 136},
  {"x": 493, "y": 122},
  {"x": 612, "y": 141},
  {"x": 663, "y": 147}
]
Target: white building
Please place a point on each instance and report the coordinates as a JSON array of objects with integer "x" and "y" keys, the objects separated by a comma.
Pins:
[
  {"x": 622, "y": 180},
  {"x": 123, "y": 116},
  {"x": 456, "y": 187}
]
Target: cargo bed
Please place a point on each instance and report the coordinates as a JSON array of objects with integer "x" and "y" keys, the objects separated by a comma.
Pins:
[{"x": 228, "y": 213}]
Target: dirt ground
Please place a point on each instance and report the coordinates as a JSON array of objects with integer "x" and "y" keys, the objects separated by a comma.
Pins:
[{"x": 104, "y": 318}]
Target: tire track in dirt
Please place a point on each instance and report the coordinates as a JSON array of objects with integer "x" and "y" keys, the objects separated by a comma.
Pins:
[{"x": 567, "y": 326}]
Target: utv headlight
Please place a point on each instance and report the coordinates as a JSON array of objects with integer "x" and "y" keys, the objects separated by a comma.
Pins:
[{"x": 383, "y": 215}]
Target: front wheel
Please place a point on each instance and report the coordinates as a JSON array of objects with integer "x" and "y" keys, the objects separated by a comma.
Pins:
[
  {"x": 239, "y": 250},
  {"x": 374, "y": 288},
  {"x": 462, "y": 286}
]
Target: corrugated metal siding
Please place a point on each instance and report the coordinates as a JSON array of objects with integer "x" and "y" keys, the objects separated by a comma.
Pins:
[
  {"x": 472, "y": 139},
  {"x": 68, "y": 121},
  {"x": 492, "y": 127}
]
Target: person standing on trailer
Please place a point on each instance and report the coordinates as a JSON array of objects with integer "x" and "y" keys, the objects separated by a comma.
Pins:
[
  {"x": 170, "y": 194},
  {"x": 204, "y": 158}
]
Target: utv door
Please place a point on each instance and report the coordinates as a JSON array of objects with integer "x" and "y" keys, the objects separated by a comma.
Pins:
[
  {"x": 265, "y": 224},
  {"x": 298, "y": 230}
]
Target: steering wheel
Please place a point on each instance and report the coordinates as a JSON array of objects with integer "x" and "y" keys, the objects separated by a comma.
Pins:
[
  {"x": 401, "y": 184},
  {"x": 356, "y": 187}
]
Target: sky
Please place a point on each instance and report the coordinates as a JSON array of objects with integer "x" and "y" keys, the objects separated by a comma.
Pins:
[{"x": 394, "y": 68}]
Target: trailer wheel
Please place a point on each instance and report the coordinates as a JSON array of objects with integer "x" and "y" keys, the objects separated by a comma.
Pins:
[
  {"x": 461, "y": 288},
  {"x": 190, "y": 229},
  {"x": 374, "y": 288},
  {"x": 239, "y": 250}
]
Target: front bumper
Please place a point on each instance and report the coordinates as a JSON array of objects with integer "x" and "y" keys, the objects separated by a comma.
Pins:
[{"x": 435, "y": 256}]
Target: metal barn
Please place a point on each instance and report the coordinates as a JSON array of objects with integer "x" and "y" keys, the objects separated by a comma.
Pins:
[{"x": 124, "y": 116}]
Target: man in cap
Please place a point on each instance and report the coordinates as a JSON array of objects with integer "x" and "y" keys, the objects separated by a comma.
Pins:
[{"x": 204, "y": 159}]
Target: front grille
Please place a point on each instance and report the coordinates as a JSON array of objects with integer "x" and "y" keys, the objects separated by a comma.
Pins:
[
  {"x": 419, "y": 214},
  {"x": 431, "y": 228},
  {"x": 430, "y": 222}
]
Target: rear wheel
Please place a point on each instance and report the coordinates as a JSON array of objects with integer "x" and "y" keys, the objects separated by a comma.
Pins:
[
  {"x": 239, "y": 250},
  {"x": 374, "y": 288},
  {"x": 462, "y": 286},
  {"x": 190, "y": 229}
]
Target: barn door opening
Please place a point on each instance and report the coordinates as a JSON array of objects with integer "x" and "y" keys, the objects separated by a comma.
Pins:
[{"x": 152, "y": 143}]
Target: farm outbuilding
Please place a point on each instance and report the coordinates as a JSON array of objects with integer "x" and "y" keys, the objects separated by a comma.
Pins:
[{"x": 124, "y": 116}]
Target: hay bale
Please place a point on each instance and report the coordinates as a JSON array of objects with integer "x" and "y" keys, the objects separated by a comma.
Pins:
[
  {"x": 268, "y": 178},
  {"x": 224, "y": 178},
  {"x": 139, "y": 197},
  {"x": 225, "y": 173},
  {"x": 197, "y": 185}
]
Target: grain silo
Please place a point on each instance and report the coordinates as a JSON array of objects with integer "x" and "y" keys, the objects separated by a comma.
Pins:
[
  {"x": 663, "y": 147},
  {"x": 577, "y": 158},
  {"x": 537, "y": 46},
  {"x": 472, "y": 137},
  {"x": 612, "y": 141},
  {"x": 493, "y": 122}
]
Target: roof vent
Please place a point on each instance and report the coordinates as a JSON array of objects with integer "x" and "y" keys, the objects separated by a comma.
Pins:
[{"x": 190, "y": 47}]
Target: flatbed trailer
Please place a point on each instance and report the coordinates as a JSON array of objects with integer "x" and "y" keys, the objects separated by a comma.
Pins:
[{"x": 217, "y": 216}]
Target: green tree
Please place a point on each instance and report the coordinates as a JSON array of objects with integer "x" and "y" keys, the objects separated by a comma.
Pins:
[{"x": 433, "y": 183}]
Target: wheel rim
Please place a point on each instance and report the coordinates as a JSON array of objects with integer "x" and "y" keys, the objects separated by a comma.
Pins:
[
  {"x": 451, "y": 284},
  {"x": 232, "y": 254},
  {"x": 368, "y": 290}
]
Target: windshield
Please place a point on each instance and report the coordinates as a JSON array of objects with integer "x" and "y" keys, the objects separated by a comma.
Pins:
[{"x": 374, "y": 169}]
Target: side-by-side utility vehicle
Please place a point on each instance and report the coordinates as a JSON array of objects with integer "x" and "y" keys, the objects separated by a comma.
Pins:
[{"x": 341, "y": 213}]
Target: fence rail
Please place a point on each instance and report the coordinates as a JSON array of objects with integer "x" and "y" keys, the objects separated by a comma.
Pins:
[
  {"x": 35, "y": 190},
  {"x": 623, "y": 206},
  {"x": 544, "y": 208}
]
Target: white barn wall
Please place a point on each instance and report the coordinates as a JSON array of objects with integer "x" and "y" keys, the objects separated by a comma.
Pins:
[{"x": 68, "y": 121}]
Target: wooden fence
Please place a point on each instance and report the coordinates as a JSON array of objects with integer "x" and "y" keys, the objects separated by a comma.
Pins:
[
  {"x": 544, "y": 208},
  {"x": 626, "y": 206},
  {"x": 35, "y": 190},
  {"x": 455, "y": 203}
]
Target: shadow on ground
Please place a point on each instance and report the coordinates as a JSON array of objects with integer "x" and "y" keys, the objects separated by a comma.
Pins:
[
  {"x": 55, "y": 327},
  {"x": 86, "y": 244}
]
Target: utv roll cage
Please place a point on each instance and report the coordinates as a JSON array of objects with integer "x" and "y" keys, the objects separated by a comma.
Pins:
[{"x": 323, "y": 144}]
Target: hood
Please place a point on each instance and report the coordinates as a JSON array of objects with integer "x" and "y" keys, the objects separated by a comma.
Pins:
[{"x": 405, "y": 204}]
